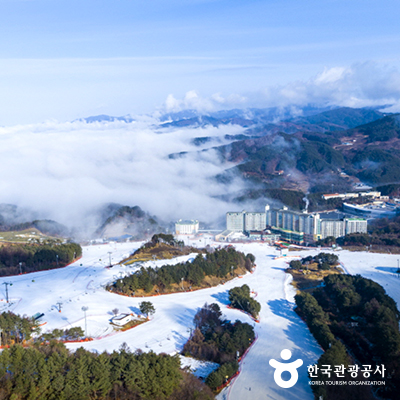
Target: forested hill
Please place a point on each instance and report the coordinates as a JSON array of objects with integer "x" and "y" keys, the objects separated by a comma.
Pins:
[
  {"x": 278, "y": 118},
  {"x": 52, "y": 372},
  {"x": 45, "y": 226},
  {"x": 314, "y": 161},
  {"x": 23, "y": 258},
  {"x": 206, "y": 270},
  {"x": 121, "y": 220},
  {"x": 338, "y": 119}
]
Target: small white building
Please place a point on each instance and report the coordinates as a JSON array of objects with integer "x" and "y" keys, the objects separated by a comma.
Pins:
[
  {"x": 186, "y": 227},
  {"x": 122, "y": 319}
]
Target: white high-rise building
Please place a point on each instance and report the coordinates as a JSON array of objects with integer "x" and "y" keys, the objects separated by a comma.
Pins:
[
  {"x": 296, "y": 226},
  {"x": 294, "y": 221},
  {"x": 355, "y": 225},
  {"x": 255, "y": 221},
  {"x": 332, "y": 227},
  {"x": 235, "y": 221}
]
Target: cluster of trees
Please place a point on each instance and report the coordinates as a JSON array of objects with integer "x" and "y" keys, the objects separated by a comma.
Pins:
[
  {"x": 392, "y": 189},
  {"x": 36, "y": 257},
  {"x": 364, "y": 239},
  {"x": 324, "y": 261},
  {"x": 163, "y": 238},
  {"x": 337, "y": 355},
  {"x": 359, "y": 313},
  {"x": 219, "y": 376},
  {"x": 291, "y": 198},
  {"x": 316, "y": 318},
  {"x": 385, "y": 226},
  {"x": 215, "y": 339},
  {"x": 162, "y": 246},
  {"x": 384, "y": 232},
  {"x": 52, "y": 372},
  {"x": 375, "y": 313},
  {"x": 15, "y": 329},
  {"x": 240, "y": 298},
  {"x": 328, "y": 241},
  {"x": 219, "y": 264},
  {"x": 147, "y": 308},
  {"x": 159, "y": 239},
  {"x": 74, "y": 333}
]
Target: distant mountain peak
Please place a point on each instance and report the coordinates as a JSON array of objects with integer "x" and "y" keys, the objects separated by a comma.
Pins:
[
  {"x": 126, "y": 220},
  {"x": 106, "y": 118}
]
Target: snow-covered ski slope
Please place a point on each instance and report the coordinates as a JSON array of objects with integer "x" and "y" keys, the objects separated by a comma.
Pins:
[{"x": 81, "y": 284}]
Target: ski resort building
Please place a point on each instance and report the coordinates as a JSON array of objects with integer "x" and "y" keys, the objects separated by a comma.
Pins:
[
  {"x": 235, "y": 221},
  {"x": 246, "y": 221},
  {"x": 373, "y": 194},
  {"x": 295, "y": 226},
  {"x": 122, "y": 319},
  {"x": 299, "y": 227},
  {"x": 332, "y": 227},
  {"x": 376, "y": 209},
  {"x": 355, "y": 225},
  {"x": 255, "y": 221},
  {"x": 186, "y": 227}
]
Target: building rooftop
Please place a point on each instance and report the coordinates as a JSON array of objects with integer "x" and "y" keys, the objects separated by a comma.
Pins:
[
  {"x": 376, "y": 205},
  {"x": 187, "y": 222},
  {"x": 332, "y": 215}
]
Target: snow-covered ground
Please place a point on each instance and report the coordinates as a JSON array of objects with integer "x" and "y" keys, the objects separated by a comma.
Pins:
[
  {"x": 201, "y": 369},
  {"x": 380, "y": 268},
  {"x": 81, "y": 284}
]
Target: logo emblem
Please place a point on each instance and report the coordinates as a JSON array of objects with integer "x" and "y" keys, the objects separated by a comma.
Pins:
[{"x": 282, "y": 367}]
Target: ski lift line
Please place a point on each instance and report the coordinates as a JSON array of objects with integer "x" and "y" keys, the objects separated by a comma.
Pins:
[
  {"x": 80, "y": 319},
  {"x": 121, "y": 331},
  {"x": 115, "y": 332},
  {"x": 12, "y": 302}
]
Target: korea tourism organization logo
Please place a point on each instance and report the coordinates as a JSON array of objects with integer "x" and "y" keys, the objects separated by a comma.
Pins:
[
  {"x": 370, "y": 376},
  {"x": 290, "y": 367},
  {"x": 323, "y": 374}
]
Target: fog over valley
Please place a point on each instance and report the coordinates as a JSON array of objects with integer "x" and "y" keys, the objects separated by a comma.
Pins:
[{"x": 65, "y": 171}]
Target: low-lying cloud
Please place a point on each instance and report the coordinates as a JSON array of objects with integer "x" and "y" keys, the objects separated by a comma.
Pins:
[{"x": 65, "y": 170}]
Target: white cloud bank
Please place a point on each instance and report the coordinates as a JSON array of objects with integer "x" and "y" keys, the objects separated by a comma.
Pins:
[
  {"x": 360, "y": 85},
  {"x": 193, "y": 101},
  {"x": 64, "y": 170}
]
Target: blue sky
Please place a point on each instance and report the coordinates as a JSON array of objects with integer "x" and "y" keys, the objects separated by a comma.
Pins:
[{"x": 69, "y": 59}]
